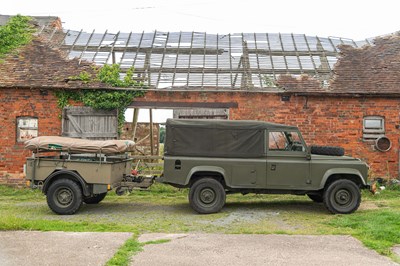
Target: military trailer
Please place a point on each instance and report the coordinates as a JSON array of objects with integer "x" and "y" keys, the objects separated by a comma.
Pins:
[
  {"x": 218, "y": 157},
  {"x": 72, "y": 171}
]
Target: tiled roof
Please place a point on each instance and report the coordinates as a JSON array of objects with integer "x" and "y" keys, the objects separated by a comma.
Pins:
[
  {"x": 371, "y": 69},
  {"x": 37, "y": 65}
]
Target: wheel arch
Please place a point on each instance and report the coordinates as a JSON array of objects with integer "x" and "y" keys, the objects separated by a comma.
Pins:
[
  {"x": 198, "y": 172},
  {"x": 72, "y": 175},
  {"x": 342, "y": 173}
]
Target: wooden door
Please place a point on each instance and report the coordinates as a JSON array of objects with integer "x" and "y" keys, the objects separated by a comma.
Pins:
[{"x": 88, "y": 123}]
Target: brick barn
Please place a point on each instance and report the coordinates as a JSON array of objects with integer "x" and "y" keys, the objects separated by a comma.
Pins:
[{"x": 337, "y": 91}]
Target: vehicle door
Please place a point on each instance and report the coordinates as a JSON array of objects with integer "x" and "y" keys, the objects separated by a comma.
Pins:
[{"x": 288, "y": 162}]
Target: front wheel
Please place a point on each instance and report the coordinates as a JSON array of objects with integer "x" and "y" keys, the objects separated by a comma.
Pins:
[
  {"x": 342, "y": 196},
  {"x": 64, "y": 196},
  {"x": 207, "y": 195}
]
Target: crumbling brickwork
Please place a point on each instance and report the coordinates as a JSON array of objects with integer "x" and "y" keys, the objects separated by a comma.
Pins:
[
  {"x": 371, "y": 69},
  {"x": 37, "y": 65}
]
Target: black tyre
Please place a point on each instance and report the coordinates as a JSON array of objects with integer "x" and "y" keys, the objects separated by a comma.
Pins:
[
  {"x": 207, "y": 195},
  {"x": 342, "y": 196},
  {"x": 95, "y": 199},
  {"x": 316, "y": 197},
  {"x": 64, "y": 196},
  {"x": 327, "y": 150}
]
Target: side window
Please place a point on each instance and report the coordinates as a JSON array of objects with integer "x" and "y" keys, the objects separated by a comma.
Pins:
[
  {"x": 277, "y": 141},
  {"x": 373, "y": 127},
  {"x": 285, "y": 141},
  {"x": 27, "y": 128}
]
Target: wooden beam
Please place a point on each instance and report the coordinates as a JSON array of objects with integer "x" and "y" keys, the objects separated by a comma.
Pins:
[
  {"x": 87, "y": 44},
  {"x": 155, "y": 50},
  {"x": 98, "y": 47},
  {"x": 188, "y": 51},
  {"x": 134, "y": 122},
  {"x": 158, "y": 104},
  {"x": 151, "y": 132},
  {"x": 240, "y": 70}
]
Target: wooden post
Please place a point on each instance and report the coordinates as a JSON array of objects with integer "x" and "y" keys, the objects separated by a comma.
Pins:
[
  {"x": 134, "y": 122},
  {"x": 151, "y": 132}
]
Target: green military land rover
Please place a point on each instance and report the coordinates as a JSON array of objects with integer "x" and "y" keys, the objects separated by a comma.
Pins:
[{"x": 218, "y": 157}]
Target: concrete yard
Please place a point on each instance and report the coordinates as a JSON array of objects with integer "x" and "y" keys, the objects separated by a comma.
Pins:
[
  {"x": 72, "y": 248},
  {"x": 219, "y": 249}
]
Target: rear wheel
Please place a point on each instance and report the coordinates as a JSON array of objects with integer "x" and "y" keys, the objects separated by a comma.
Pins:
[
  {"x": 342, "y": 196},
  {"x": 95, "y": 199},
  {"x": 207, "y": 195},
  {"x": 64, "y": 196}
]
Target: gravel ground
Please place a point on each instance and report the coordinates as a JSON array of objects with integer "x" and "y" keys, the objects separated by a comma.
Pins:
[{"x": 218, "y": 249}]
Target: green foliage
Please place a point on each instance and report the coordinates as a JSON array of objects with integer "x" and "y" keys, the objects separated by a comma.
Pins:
[
  {"x": 84, "y": 76},
  {"x": 104, "y": 99},
  {"x": 269, "y": 81},
  {"x": 110, "y": 74},
  {"x": 17, "y": 32}
]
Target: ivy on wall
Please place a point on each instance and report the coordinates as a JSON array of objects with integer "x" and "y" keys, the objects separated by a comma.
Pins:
[
  {"x": 104, "y": 99},
  {"x": 16, "y": 33}
]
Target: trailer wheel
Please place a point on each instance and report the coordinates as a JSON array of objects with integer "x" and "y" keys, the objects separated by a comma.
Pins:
[
  {"x": 207, "y": 195},
  {"x": 95, "y": 199},
  {"x": 342, "y": 196},
  {"x": 64, "y": 196}
]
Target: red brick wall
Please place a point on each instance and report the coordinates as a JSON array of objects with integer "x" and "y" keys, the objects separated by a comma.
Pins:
[
  {"x": 23, "y": 102},
  {"x": 334, "y": 121}
]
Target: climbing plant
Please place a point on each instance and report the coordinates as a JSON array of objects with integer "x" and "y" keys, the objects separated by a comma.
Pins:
[
  {"x": 104, "y": 99},
  {"x": 268, "y": 81},
  {"x": 17, "y": 32}
]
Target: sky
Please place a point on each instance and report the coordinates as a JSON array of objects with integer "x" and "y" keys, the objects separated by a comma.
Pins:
[
  {"x": 356, "y": 20},
  {"x": 340, "y": 18}
]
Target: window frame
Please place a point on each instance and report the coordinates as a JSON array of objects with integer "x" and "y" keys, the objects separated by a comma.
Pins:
[
  {"x": 371, "y": 133},
  {"x": 280, "y": 151},
  {"x": 374, "y": 130},
  {"x": 28, "y": 127}
]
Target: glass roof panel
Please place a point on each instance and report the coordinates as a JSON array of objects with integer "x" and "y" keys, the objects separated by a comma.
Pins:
[{"x": 198, "y": 59}]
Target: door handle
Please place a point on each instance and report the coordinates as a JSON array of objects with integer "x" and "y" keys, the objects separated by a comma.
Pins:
[{"x": 273, "y": 167}]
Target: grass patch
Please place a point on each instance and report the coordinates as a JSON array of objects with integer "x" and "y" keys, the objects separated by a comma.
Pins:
[
  {"x": 131, "y": 247},
  {"x": 379, "y": 230},
  {"x": 156, "y": 242},
  {"x": 125, "y": 252}
]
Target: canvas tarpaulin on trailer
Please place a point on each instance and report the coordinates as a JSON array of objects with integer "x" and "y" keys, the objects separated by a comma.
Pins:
[{"x": 73, "y": 145}]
